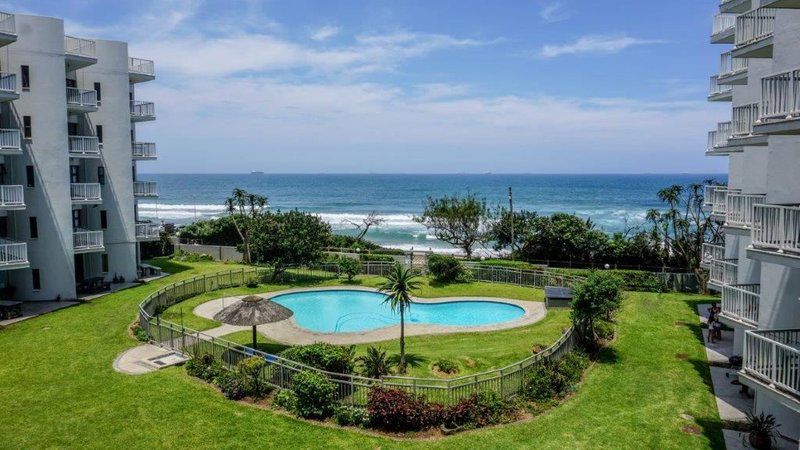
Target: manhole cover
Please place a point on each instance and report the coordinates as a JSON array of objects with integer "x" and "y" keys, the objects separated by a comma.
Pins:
[{"x": 169, "y": 359}]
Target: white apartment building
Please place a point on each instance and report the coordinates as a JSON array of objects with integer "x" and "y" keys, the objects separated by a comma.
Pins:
[
  {"x": 68, "y": 157},
  {"x": 757, "y": 267}
]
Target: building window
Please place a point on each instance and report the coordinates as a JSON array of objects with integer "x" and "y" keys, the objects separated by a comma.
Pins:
[
  {"x": 104, "y": 262},
  {"x": 76, "y": 218},
  {"x": 74, "y": 174},
  {"x": 99, "y": 133},
  {"x": 97, "y": 89},
  {"x": 37, "y": 282},
  {"x": 26, "y": 77},
  {"x": 27, "y": 129},
  {"x": 29, "y": 176},
  {"x": 101, "y": 175},
  {"x": 33, "y": 227},
  {"x": 103, "y": 220}
]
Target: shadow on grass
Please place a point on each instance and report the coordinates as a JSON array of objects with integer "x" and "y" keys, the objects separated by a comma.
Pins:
[
  {"x": 412, "y": 359},
  {"x": 434, "y": 283},
  {"x": 608, "y": 355},
  {"x": 168, "y": 265},
  {"x": 271, "y": 347}
]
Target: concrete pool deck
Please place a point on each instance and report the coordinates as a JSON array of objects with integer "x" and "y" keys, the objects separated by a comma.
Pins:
[{"x": 289, "y": 332}]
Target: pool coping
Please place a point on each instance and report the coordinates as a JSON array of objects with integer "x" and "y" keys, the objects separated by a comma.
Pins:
[{"x": 289, "y": 332}]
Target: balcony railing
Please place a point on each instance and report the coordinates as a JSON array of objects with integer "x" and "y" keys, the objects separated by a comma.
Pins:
[
  {"x": 8, "y": 82},
  {"x": 87, "y": 240},
  {"x": 723, "y": 272},
  {"x": 744, "y": 117},
  {"x": 144, "y": 149},
  {"x": 773, "y": 356},
  {"x": 712, "y": 252},
  {"x": 780, "y": 96},
  {"x": 148, "y": 231},
  {"x": 141, "y": 66},
  {"x": 84, "y": 146},
  {"x": 719, "y": 200},
  {"x": 719, "y": 137},
  {"x": 718, "y": 89},
  {"x": 722, "y": 23},
  {"x": 740, "y": 302},
  {"x": 13, "y": 253},
  {"x": 81, "y": 97},
  {"x": 7, "y": 23},
  {"x": 729, "y": 65},
  {"x": 85, "y": 192},
  {"x": 10, "y": 139},
  {"x": 80, "y": 47},
  {"x": 776, "y": 228},
  {"x": 754, "y": 26},
  {"x": 145, "y": 189},
  {"x": 141, "y": 109},
  {"x": 739, "y": 208},
  {"x": 12, "y": 196}
]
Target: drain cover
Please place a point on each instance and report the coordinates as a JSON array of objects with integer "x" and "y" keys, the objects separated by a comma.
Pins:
[{"x": 168, "y": 359}]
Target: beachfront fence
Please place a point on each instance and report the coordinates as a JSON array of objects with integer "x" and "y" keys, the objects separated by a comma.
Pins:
[{"x": 351, "y": 389}]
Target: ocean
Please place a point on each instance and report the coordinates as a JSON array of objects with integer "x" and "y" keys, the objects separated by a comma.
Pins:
[{"x": 609, "y": 200}]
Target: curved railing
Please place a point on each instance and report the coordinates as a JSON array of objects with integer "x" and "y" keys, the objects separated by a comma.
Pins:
[{"x": 352, "y": 389}]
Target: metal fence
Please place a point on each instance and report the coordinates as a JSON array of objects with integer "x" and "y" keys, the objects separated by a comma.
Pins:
[{"x": 351, "y": 389}]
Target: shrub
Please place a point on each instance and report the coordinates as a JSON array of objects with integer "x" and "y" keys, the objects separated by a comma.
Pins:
[
  {"x": 595, "y": 299},
  {"x": 552, "y": 379},
  {"x": 234, "y": 384},
  {"x": 182, "y": 255},
  {"x": 376, "y": 257},
  {"x": 251, "y": 369},
  {"x": 350, "y": 267},
  {"x": 287, "y": 400},
  {"x": 478, "y": 410},
  {"x": 396, "y": 410},
  {"x": 572, "y": 365},
  {"x": 351, "y": 416},
  {"x": 445, "y": 365},
  {"x": 604, "y": 329},
  {"x": 447, "y": 268},
  {"x": 539, "y": 385},
  {"x": 316, "y": 394},
  {"x": 204, "y": 367},
  {"x": 374, "y": 363},
  {"x": 252, "y": 284},
  {"x": 324, "y": 356}
]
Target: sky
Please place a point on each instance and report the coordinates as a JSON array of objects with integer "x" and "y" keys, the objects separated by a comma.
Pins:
[{"x": 367, "y": 86}]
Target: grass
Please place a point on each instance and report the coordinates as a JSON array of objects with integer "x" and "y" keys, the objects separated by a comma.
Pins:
[{"x": 59, "y": 390}]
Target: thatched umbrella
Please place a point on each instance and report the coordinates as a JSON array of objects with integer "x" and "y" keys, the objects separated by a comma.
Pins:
[{"x": 251, "y": 311}]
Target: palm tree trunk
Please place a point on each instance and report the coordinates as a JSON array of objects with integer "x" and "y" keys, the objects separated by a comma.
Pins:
[{"x": 402, "y": 341}]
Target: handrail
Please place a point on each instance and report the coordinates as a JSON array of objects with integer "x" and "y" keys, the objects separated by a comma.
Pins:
[
  {"x": 142, "y": 66},
  {"x": 7, "y": 23},
  {"x": 754, "y": 26},
  {"x": 80, "y": 47},
  {"x": 780, "y": 96}
]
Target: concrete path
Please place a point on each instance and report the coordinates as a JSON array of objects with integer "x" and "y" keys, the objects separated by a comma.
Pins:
[
  {"x": 736, "y": 440},
  {"x": 718, "y": 352},
  {"x": 146, "y": 358},
  {"x": 289, "y": 332},
  {"x": 37, "y": 308}
]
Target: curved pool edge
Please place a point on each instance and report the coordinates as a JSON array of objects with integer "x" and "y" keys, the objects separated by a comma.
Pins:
[{"x": 289, "y": 332}]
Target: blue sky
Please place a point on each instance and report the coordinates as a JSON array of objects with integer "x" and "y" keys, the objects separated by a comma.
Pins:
[{"x": 534, "y": 86}]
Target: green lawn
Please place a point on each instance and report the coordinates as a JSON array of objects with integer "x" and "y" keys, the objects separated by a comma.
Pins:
[{"x": 59, "y": 390}]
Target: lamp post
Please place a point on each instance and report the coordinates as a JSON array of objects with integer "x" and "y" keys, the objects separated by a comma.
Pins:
[{"x": 511, "y": 214}]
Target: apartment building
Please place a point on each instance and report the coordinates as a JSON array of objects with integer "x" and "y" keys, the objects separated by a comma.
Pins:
[
  {"x": 68, "y": 160},
  {"x": 756, "y": 268}
]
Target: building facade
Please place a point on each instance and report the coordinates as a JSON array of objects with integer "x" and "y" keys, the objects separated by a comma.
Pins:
[
  {"x": 68, "y": 160},
  {"x": 756, "y": 267}
]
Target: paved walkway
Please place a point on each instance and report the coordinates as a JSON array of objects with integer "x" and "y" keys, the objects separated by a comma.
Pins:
[
  {"x": 289, "y": 332},
  {"x": 146, "y": 358},
  {"x": 32, "y": 309}
]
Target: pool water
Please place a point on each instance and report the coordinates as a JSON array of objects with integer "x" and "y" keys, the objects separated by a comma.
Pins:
[{"x": 344, "y": 311}]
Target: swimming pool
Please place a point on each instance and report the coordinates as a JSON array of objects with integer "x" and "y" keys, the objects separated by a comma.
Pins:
[{"x": 345, "y": 311}]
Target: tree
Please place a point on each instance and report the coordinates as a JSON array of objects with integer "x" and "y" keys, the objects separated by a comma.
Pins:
[
  {"x": 374, "y": 363},
  {"x": 372, "y": 220},
  {"x": 459, "y": 221},
  {"x": 499, "y": 230},
  {"x": 400, "y": 283},
  {"x": 564, "y": 236},
  {"x": 245, "y": 209},
  {"x": 282, "y": 239},
  {"x": 350, "y": 267},
  {"x": 595, "y": 299},
  {"x": 215, "y": 231}
]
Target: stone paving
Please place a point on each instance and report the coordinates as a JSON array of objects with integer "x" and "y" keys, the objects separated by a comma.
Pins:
[{"x": 146, "y": 358}]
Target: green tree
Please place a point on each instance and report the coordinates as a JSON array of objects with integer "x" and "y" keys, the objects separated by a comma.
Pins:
[
  {"x": 499, "y": 231},
  {"x": 350, "y": 267},
  {"x": 564, "y": 236},
  {"x": 374, "y": 363},
  {"x": 399, "y": 286},
  {"x": 283, "y": 239},
  {"x": 594, "y": 300},
  {"x": 245, "y": 209},
  {"x": 459, "y": 221},
  {"x": 216, "y": 231}
]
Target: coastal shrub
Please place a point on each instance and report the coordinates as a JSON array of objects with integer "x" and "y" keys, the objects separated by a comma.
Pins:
[
  {"x": 550, "y": 379},
  {"x": 447, "y": 268},
  {"x": 594, "y": 300},
  {"x": 351, "y": 416},
  {"x": 572, "y": 366},
  {"x": 374, "y": 257},
  {"x": 287, "y": 400},
  {"x": 184, "y": 256},
  {"x": 396, "y": 410},
  {"x": 251, "y": 369},
  {"x": 477, "y": 410},
  {"x": 374, "y": 363},
  {"x": 316, "y": 394},
  {"x": 445, "y": 365},
  {"x": 205, "y": 367},
  {"x": 540, "y": 385},
  {"x": 233, "y": 384},
  {"x": 324, "y": 356},
  {"x": 350, "y": 267},
  {"x": 604, "y": 330}
]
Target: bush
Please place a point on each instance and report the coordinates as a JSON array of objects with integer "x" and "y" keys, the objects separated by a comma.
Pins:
[
  {"x": 234, "y": 384},
  {"x": 184, "y": 256},
  {"x": 447, "y": 268},
  {"x": 445, "y": 365},
  {"x": 572, "y": 366},
  {"x": 374, "y": 363},
  {"x": 632, "y": 280},
  {"x": 604, "y": 329},
  {"x": 539, "y": 386},
  {"x": 594, "y": 300},
  {"x": 316, "y": 394},
  {"x": 351, "y": 416},
  {"x": 204, "y": 367},
  {"x": 328, "y": 357},
  {"x": 350, "y": 267},
  {"x": 552, "y": 379},
  {"x": 287, "y": 400},
  {"x": 396, "y": 410},
  {"x": 478, "y": 410},
  {"x": 251, "y": 369},
  {"x": 373, "y": 257}
]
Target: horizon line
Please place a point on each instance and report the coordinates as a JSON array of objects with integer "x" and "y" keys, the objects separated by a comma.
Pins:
[{"x": 433, "y": 173}]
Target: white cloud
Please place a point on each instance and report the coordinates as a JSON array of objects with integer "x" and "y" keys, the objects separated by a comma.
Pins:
[
  {"x": 553, "y": 12},
  {"x": 594, "y": 44},
  {"x": 324, "y": 33}
]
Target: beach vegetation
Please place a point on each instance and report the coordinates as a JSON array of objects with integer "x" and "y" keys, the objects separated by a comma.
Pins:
[
  {"x": 245, "y": 210},
  {"x": 401, "y": 282},
  {"x": 292, "y": 238},
  {"x": 447, "y": 268},
  {"x": 460, "y": 221}
]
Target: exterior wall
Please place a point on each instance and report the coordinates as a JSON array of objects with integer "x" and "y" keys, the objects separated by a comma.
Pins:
[
  {"x": 780, "y": 297},
  {"x": 783, "y": 415},
  {"x": 753, "y": 170}
]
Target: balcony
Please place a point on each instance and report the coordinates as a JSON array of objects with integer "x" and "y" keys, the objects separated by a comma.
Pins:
[
  {"x": 732, "y": 71},
  {"x": 780, "y": 104},
  {"x": 723, "y": 272},
  {"x": 10, "y": 141},
  {"x": 13, "y": 255},
  {"x": 8, "y": 87},
  {"x": 81, "y": 100},
  {"x": 722, "y": 29},
  {"x": 144, "y": 189},
  {"x": 144, "y": 151},
  {"x": 8, "y": 29},
  {"x": 735, "y": 6},
  {"x": 148, "y": 231},
  {"x": 11, "y": 197},
  {"x": 84, "y": 241},
  {"x": 79, "y": 53},
  {"x": 141, "y": 70},
  {"x": 754, "y": 31},
  {"x": 83, "y": 147},
  {"x": 740, "y": 303},
  {"x": 85, "y": 193},
  {"x": 142, "y": 111},
  {"x": 776, "y": 233},
  {"x": 742, "y": 127},
  {"x": 719, "y": 92},
  {"x": 739, "y": 208},
  {"x": 718, "y": 196},
  {"x": 788, "y": 4},
  {"x": 771, "y": 359},
  {"x": 718, "y": 140},
  {"x": 710, "y": 253}
]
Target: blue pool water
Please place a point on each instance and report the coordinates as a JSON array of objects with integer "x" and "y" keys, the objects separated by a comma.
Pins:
[{"x": 343, "y": 311}]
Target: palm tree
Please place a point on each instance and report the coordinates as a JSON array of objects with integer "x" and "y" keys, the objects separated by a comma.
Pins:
[
  {"x": 244, "y": 208},
  {"x": 398, "y": 288}
]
